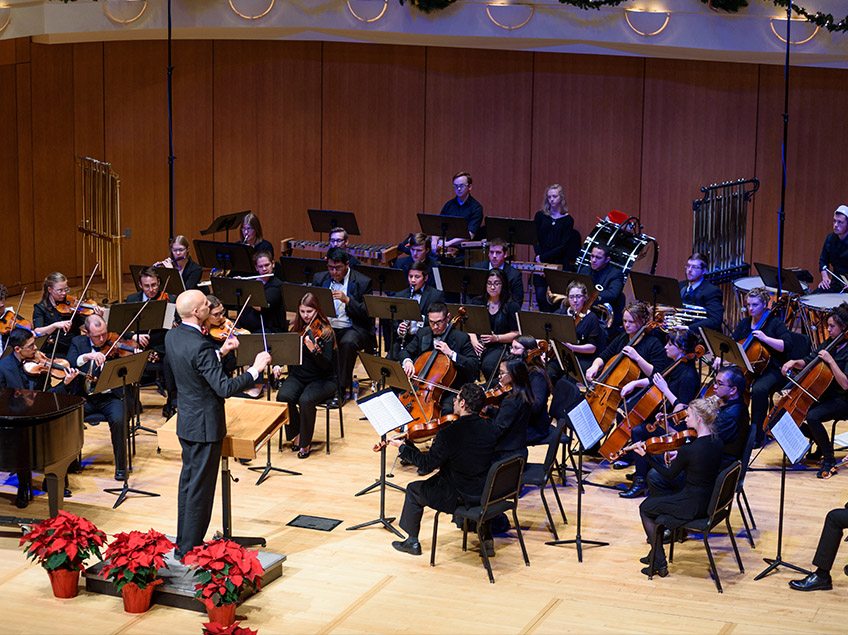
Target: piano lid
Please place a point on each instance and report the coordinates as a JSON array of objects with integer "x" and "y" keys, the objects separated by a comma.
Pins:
[{"x": 22, "y": 406}]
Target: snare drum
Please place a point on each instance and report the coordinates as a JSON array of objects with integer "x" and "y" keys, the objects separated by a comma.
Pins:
[{"x": 814, "y": 310}]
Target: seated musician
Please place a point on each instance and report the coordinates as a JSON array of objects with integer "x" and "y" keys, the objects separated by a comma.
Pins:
[
  {"x": 180, "y": 260},
  {"x": 353, "y": 327},
  {"x": 512, "y": 417},
  {"x": 829, "y": 540},
  {"x": 463, "y": 454},
  {"x": 678, "y": 388},
  {"x": 48, "y": 319},
  {"x": 463, "y": 205},
  {"x": 502, "y": 320},
  {"x": 833, "y": 403},
  {"x": 774, "y": 336},
  {"x": 497, "y": 260},
  {"x": 339, "y": 238},
  {"x": 88, "y": 353},
  {"x": 701, "y": 293},
  {"x": 608, "y": 280},
  {"x": 12, "y": 375},
  {"x": 273, "y": 316},
  {"x": 456, "y": 346},
  {"x": 700, "y": 461},
  {"x": 834, "y": 254},
  {"x": 419, "y": 251},
  {"x": 539, "y": 426},
  {"x": 590, "y": 333},
  {"x": 215, "y": 328},
  {"x": 314, "y": 380},
  {"x": 422, "y": 293},
  {"x": 251, "y": 235},
  {"x": 554, "y": 227}
]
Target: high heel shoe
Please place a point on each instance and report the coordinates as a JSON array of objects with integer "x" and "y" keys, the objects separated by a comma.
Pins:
[
  {"x": 660, "y": 571},
  {"x": 304, "y": 452}
]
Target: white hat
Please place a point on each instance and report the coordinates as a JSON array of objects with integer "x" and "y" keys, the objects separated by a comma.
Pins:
[{"x": 842, "y": 209}]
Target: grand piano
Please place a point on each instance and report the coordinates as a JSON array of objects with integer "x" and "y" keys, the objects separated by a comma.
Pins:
[{"x": 41, "y": 432}]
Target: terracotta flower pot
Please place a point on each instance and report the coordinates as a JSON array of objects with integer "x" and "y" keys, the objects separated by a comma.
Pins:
[
  {"x": 224, "y": 614},
  {"x": 65, "y": 582},
  {"x": 136, "y": 600}
]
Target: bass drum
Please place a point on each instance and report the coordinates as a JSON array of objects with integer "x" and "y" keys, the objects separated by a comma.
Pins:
[{"x": 630, "y": 250}]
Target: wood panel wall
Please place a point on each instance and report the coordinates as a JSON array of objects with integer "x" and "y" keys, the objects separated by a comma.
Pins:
[{"x": 278, "y": 127}]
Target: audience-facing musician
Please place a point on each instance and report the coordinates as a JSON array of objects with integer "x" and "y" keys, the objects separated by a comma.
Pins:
[
  {"x": 151, "y": 287},
  {"x": 539, "y": 426},
  {"x": 833, "y": 403},
  {"x": 462, "y": 452},
  {"x": 497, "y": 260},
  {"x": 210, "y": 327},
  {"x": 419, "y": 251},
  {"x": 273, "y": 316},
  {"x": 46, "y": 318},
  {"x": 422, "y": 293},
  {"x": 834, "y": 254},
  {"x": 513, "y": 415},
  {"x": 554, "y": 227},
  {"x": 502, "y": 320},
  {"x": 12, "y": 375},
  {"x": 831, "y": 537},
  {"x": 456, "y": 346},
  {"x": 463, "y": 205},
  {"x": 314, "y": 380},
  {"x": 353, "y": 327},
  {"x": 180, "y": 259},
  {"x": 251, "y": 235},
  {"x": 607, "y": 279},
  {"x": 590, "y": 332},
  {"x": 701, "y": 293},
  {"x": 339, "y": 238}
]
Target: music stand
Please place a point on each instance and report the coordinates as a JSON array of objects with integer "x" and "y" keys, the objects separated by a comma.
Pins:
[
  {"x": 323, "y": 220},
  {"x": 293, "y": 294},
  {"x": 234, "y": 292},
  {"x": 476, "y": 318},
  {"x": 545, "y": 326},
  {"x": 225, "y": 223},
  {"x": 515, "y": 231},
  {"x": 385, "y": 279},
  {"x": 460, "y": 279},
  {"x": 726, "y": 349},
  {"x": 227, "y": 256},
  {"x": 582, "y": 420},
  {"x": 444, "y": 226},
  {"x": 391, "y": 308},
  {"x": 558, "y": 281},
  {"x": 655, "y": 290},
  {"x": 301, "y": 270},
  {"x": 39, "y": 342},
  {"x": 788, "y": 279},
  {"x": 174, "y": 286},
  {"x": 118, "y": 373},
  {"x": 569, "y": 363}
]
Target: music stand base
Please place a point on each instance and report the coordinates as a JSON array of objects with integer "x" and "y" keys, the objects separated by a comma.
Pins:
[
  {"x": 377, "y": 483},
  {"x": 244, "y": 541},
  {"x": 268, "y": 468},
  {"x": 385, "y": 522},
  {"x": 123, "y": 491},
  {"x": 579, "y": 542},
  {"x": 774, "y": 563}
]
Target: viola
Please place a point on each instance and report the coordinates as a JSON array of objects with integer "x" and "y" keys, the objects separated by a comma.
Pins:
[
  {"x": 220, "y": 333},
  {"x": 66, "y": 306},
  {"x": 42, "y": 364},
  {"x": 11, "y": 320}
]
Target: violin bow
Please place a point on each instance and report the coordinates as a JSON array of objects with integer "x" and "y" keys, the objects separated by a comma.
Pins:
[
  {"x": 127, "y": 328},
  {"x": 495, "y": 372},
  {"x": 238, "y": 317},
  {"x": 85, "y": 289},
  {"x": 14, "y": 321}
]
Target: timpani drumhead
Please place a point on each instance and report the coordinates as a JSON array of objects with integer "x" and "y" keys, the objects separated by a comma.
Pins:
[
  {"x": 744, "y": 285},
  {"x": 824, "y": 301}
]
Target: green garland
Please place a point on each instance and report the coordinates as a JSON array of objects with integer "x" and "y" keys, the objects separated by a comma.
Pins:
[
  {"x": 823, "y": 20},
  {"x": 429, "y": 5},
  {"x": 731, "y": 6}
]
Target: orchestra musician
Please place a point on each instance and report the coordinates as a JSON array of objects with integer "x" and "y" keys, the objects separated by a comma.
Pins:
[
  {"x": 502, "y": 320},
  {"x": 251, "y": 235},
  {"x": 463, "y": 205},
  {"x": 419, "y": 251},
  {"x": 539, "y": 426},
  {"x": 314, "y": 380},
  {"x": 456, "y": 346},
  {"x": 46, "y": 318},
  {"x": 12, "y": 375},
  {"x": 512, "y": 417},
  {"x": 462, "y": 452},
  {"x": 695, "y": 290},
  {"x": 339, "y": 238},
  {"x": 700, "y": 461},
  {"x": 273, "y": 316},
  {"x": 554, "y": 227},
  {"x": 831, "y": 536},
  {"x": 607, "y": 279},
  {"x": 591, "y": 334},
  {"x": 834, "y": 253},
  {"x": 422, "y": 293},
  {"x": 833, "y": 403},
  {"x": 353, "y": 327},
  {"x": 180, "y": 260},
  {"x": 201, "y": 421},
  {"x": 497, "y": 260},
  {"x": 216, "y": 319}
]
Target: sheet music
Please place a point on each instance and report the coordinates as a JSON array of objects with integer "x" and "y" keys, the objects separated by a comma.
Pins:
[
  {"x": 437, "y": 278},
  {"x": 170, "y": 309},
  {"x": 790, "y": 438},
  {"x": 585, "y": 425},
  {"x": 384, "y": 411}
]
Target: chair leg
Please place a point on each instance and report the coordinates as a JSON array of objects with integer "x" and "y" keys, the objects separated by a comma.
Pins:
[
  {"x": 548, "y": 512},
  {"x": 483, "y": 551},
  {"x": 744, "y": 520},
  {"x": 520, "y": 535},
  {"x": 328, "y": 430},
  {"x": 559, "y": 502},
  {"x": 341, "y": 423},
  {"x": 748, "y": 509},
  {"x": 712, "y": 562},
  {"x": 733, "y": 542},
  {"x": 671, "y": 546},
  {"x": 464, "y": 534},
  {"x": 435, "y": 533}
]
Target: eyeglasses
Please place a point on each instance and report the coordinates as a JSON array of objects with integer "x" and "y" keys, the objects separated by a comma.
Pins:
[
  {"x": 65, "y": 290},
  {"x": 462, "y": 186},
  {"x": 439, "y": 322},
  {"x": 576, "y": 297},
  {"x": 336, "y": 241},
  {"x": 494, "y": 283},
  {"x": 335, "y": 267}
]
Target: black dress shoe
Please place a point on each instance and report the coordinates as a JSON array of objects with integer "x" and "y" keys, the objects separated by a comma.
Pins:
[
  {"x": 813, "y": 582},
  {"x": 845, "y": 570},
  {"x": 412, "y": 547},
  {"x": 67, "y": 493},
  {"x": 304, "y": 453},
  {"x": 637, "y": 489},
  {"x": 630, "y": 477},
  {"x": 620, "y": 465},
  {"x": 660, "y": 571},
  {"x": 120, "y": 475}
]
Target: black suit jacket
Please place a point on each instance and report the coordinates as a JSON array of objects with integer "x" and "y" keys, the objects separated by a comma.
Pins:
[
  {"x": 405, "y": 262},
  {"x": 428, "y": 296},
  {"x": 612, "y": 281},
  {"x": 513, "y": 276},
  {"x": 462, "y": 452},
  {"x": 710, "y": 297},
  {"x": 467, "y": 362},
  {"x": 358, "y": 286},
  {"x": 203, "y": 386}
]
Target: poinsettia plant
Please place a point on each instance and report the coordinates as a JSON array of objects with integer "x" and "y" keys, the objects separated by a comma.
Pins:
[
  {"x": 64, "y": 541},
  {"x": 214, "y": 628},
  {"x": 224, "y": 570},
  {"x": 136, "y": 557}
]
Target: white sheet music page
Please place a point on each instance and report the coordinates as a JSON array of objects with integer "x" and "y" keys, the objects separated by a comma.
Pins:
[
  {"x": 790, "y": 438},
  {"x": 585, "y": 425},
  {"x": 384, "y": 411}
]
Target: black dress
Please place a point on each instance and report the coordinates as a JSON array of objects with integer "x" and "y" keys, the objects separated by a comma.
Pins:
[
  {"x": 44, "y": 314},
  {"x": 552, "y": 235},
  {"x": 504, "y": 321}
]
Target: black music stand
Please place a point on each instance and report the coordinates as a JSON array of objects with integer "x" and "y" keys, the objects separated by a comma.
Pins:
[
  {"x": 546, "y": 326},
  {"x": 476, "y": 318},
  {"x": 655, "y": 290},
  {"x": 173, "y": 283},
  {"x": 323, "y": 220},
  {"x": 225, "y": 223},
  {"x": 515, "y": 231},
  {"x": 582, "y": 420},
  {"x": 234, "y": 292},
  {"x": 558, "y": 281},
  {"x": 226, "y": 256},
  {"x": 391, "y": 308},
  {"x": 569, "y": 363},
  {"x": 293, "y": 294},
  {"x": 460, "y": 279},
  {"x": 444, "y": 226},
  {"x": 794, "y": 445},
  {"x": 726, "y": 349},
  {"x": 301, "y": 270},
  {"x": 385, "y": 279},
  {"x": 788, "y": 279},
  {"x": 119, "y": 373}
]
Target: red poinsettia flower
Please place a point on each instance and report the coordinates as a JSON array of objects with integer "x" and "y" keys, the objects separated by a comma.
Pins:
[
  {"x": 214, "y": 628},
  {"x": 224, "y": 570},
  {"x": 136, "y": 557},
  {"x": 64, "y": 541}
]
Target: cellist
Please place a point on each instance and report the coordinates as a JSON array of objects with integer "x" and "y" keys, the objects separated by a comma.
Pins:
[{"x": 833, "y": 404}]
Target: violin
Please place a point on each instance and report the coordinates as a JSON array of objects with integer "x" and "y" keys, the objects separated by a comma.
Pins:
[
  {"x": 835, "y": 468},
  {"x": 116, "y": 347},
  {"x": 496, "y": 395},
  {"x": 11, "y": 320},
  {"x": 540, "y": 352},
  {"x": 66, "y": 306},
  {"x": 421, "y": 432},
  {"x": 42, "y": 364},
  {"x": 317, "y": 330},
  {"x": 665, "y": 443},
  {"x": 220, "y": 333}
]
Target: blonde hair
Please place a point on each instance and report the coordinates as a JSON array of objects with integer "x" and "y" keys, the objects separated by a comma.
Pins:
[
  {"x": 639, "y": 311},
  {"x": 546, "y": 207},
  {"x": 706, "y": 408},
  {"x": 761, "y": 293},
  {"x": 49, "y": 282}
]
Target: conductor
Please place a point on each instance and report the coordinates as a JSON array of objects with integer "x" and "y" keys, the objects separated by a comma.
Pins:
[{"x": 201, "y": 425}]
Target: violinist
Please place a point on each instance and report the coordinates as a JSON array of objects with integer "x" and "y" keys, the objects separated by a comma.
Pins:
[
  {"x": 274, "y": 315},
  {"x": 422, "y": 293},
  {"x": 151, "y": 287},
  {"x": 456, "y": 346},
  {"x": 180, "y": 260},
  {"x": 513, "y": 414},
  {"x": 314, "y": 380},
  {"x": 462, "y": 452},
  {"x": 833, "y": 403},
  {"x": 590, "y": 333},
  {"x": 214, "y": 322},
  {"x": 48, "y": 320},
  {"x": 700, "y": 461},
  {"x": 772, "y": 333},
  {"x": 539, "y": 426},
  {"x": 502, "y": 319},
  {"x": 251, "y": 235}
]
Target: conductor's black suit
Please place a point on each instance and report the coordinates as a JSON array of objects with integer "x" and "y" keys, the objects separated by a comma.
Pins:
[{"x": 201, "y": 426}]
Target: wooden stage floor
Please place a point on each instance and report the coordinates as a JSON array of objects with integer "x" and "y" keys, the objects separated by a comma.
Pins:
[{"x": 354, "y": 582}]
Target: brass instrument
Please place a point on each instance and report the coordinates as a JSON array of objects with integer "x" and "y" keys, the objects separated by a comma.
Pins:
[{"x": 675, "y": 318}]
